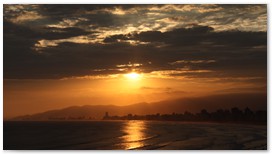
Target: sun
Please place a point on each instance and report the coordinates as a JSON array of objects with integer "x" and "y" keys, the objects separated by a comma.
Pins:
[{"x": 132, "y": 76}]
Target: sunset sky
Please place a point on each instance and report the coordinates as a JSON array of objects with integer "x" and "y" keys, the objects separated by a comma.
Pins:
[{"x": 57, "y": 56}]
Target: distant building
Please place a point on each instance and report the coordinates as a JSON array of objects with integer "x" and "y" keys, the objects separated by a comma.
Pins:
[{"x": 106, "y": 116}]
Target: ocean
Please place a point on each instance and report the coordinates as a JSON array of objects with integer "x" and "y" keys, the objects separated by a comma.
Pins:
[{"x": 132, "y": 135}]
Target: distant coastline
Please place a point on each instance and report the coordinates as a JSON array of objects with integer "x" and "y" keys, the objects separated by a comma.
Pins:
[{"x": 233, "y": 115}]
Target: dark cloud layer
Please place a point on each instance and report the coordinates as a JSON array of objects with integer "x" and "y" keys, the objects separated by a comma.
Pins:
[
  {"x": 197, "y": 35},
  {"x": 49, "y": 33},
  {"x": 79, "y": 40}
]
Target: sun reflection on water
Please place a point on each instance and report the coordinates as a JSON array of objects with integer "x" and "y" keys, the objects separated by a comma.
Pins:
[{"x": 135, "y": 134}]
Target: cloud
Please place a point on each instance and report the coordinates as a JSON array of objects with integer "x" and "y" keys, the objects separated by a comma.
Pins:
[
  {"x": 80, "y": 58},
  {"x": 67, "y": 22},
  {"x": 196, "y": 35},
  {"x": 189, "y": 42},
  {"x": 26, "y": 17},
  {"x": 191, "y": 62},
  {"x": 129, "y": 65},
  {"x": 22, "y": 14},
  {"x": 48, "y": 33},
  {"x": 105, "y": 21}
]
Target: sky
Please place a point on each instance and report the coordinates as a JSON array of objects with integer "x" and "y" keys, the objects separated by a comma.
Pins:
[{"x": 57, "y": 56}]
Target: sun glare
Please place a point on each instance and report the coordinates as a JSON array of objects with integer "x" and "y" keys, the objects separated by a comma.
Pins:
[{"x": 132, "y": 76}]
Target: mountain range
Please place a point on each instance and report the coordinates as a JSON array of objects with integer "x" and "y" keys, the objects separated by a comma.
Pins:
[{"x": 255, "y": 101}]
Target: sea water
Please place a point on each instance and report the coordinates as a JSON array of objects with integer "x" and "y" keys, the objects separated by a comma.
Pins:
[{"x": 134, "y": 135}]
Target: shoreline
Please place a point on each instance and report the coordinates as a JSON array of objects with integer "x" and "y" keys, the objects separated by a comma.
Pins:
[{"x": 125, "y": 120}]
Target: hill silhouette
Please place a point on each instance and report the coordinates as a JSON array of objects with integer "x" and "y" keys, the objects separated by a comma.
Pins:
[{"x": 255, "y": 101}]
